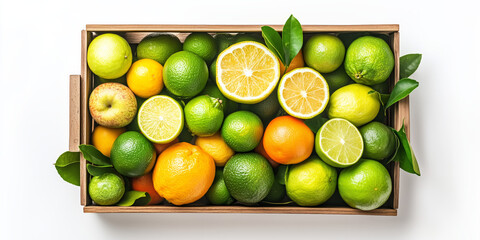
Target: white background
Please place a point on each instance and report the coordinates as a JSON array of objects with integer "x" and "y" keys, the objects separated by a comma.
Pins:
[{"x": 40, "y": 47}]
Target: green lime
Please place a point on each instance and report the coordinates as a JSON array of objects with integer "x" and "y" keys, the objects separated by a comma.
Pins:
[
  {"x": 242, "y": 131},
  {"x": 354, "y": 102},
  {"x": 366, "y": 185},
  {"x": 324, "y": 52},
  {"x": 106, "y": 189},
  {"x": 379, "y": 141},
  {"x": 337, "y": 79},
  {"x": 248, "y": 177},
  {"x": 369, "y": 60},
  {"x": 281, "y": 172},
  {"x": 202, "y": 44},
  {"x": 242, "y": 37},
  {"x": 133, "y": 126},
  {"x": 311, "y": 182},
  {"x": 277, "y": 193},
  {"x": 109, "y": 56},
  {"x": 132, "y": 154},
  {"x": 185, "y": 74},
  {"x": 339, "y": 143},
  {"x": 212, "y": 90},
  {"x": 224, "y": 40},
  {"x": 158, "y": 47},
  {"x": 218, "y": 193},
  {"x": 213, "y": 70},
  {"x": 204, "y": 115},
  {"x": 266, "y": 109}
]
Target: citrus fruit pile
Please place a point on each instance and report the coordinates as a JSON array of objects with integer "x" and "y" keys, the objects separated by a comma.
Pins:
[{"x": 220, "y": 116}]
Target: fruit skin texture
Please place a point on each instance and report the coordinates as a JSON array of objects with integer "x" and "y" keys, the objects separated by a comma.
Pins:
[
  {"x": 369, "y": 60},
  {"x": 132, "y": 154},
  {"x": 158, "y": 47},
  {"x": 287, "y": 140},
  {"x": 204, "y": 115},
  {"x": 249, "y": 177},
  {"x": 261, "y": 150},
  {"x": 106, "y": 189},
  {"x": 212, "y": 90},
  {"x": 218, "y": 193},
  {"x": 112, "y": 105},
  {"x": 145, "y": 78},
  {"x": 379, "y": 141},
  {"x": 109, "y": 56},
  {"x": 185, "y": 74},
  {"x": 311, "y": 182},
  {"x": 183, "y": 173},
  {"x": 324, "y": 52},
  {"x": 242, "y": 131},
  {"x": 354, "y": 104},
  {"x": 216, "y": 147},
  {"x": 366, "y": 185},
  {"x": 202, "y": 44},
  {"x": 145, "y": 184},
  {"x": 103, "y": 138},
  {"x": 297, "y": 62}
]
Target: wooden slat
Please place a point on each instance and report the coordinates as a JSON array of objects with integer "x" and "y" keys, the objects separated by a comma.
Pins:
[
  {"x": 237, "y": 28},
  {"x": 74, "y": 133},
  {"x": 237, "y": 209},
  {"x": 401, "y": 115},
  {"x": 85, "y": 121}
]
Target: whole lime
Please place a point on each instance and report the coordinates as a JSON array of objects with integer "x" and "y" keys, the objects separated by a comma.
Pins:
[
  {"x": 212, "y": 90},
  {"x": 109, "y": 56},
  {"x": 266, "y": 109},
  {"x": 277, "y": 193},
  {"x": 366, "y": 185},
  {"x": 218, "y": 193},
  {"x": 185, "y": 74},
  {"x": 158, "y": 47},
  {"x": 355, "y": 103},
  {"x": 242, "y": 131},
  {"x": 337, "y": 79},
  {"x": 379, "y": 141},
  {"x": 132, "y": 154},
  {"x": 242, "y": 37},
  {"x": 248, "y": 177},
  {"x": 224, "y": 40},
  {"x": 311, "y": 182},
  {"x": 213, "y": 70},
  {"x": 202, "y": 44},
  {"x": 369, "y": 60},
  {"x": 106, "y": 189},
  {"x": 324, "y": 52},
  {"x": 204, "y": 115}
]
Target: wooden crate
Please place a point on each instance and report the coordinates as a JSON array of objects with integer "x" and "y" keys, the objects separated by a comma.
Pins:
[{"x": 81, "y": 123}]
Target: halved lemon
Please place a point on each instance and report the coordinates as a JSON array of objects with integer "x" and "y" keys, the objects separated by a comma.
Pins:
[
  {"x": 160, "y": 119},
  {"x": 247, "y": 72},
  {"x": 303, "y": 93}
]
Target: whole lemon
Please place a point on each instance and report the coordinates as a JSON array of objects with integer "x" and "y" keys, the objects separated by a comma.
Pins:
[{"x": 109, "y": 56}]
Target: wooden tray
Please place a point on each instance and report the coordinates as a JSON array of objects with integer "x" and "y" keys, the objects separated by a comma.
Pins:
[{"x": 81, "y": 123}]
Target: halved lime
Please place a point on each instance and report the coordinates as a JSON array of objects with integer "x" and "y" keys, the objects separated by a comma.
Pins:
[
  {"x": 339, "y": 143},
  {"x": 160, "y": 119}
]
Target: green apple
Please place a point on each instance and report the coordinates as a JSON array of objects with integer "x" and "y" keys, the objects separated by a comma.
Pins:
[{"x": 112, "y": 105}]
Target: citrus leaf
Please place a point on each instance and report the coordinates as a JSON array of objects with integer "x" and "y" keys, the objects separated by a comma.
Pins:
[
  {"x": 136, "y": 198},
  {"x": 405, "y": 156},
  {"x": 274, "y": 42},
  {"x": 68, "y": 167},
  {"x": 292, "y": 39},
  {"x": 409, "y": 64},
  {"x": 315, "y": 123},
  {"x": 99, "y": 170},
  {"x": 397, "y": 147},
  {"x": 91, "y": 154},
  {"x": 401, "y": 89}
]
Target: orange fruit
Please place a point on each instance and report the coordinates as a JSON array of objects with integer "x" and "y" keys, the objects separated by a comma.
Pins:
[
  {"x": 160, "y": 147},
  {"x": 183, "y": 173},
  {"x": 145, "y": 78},
  {"x": 261, "y": 150},
  {"x": 103, "y": 138},
  {"x": 145, "y": 184},
  {"x": 287, "y": 140},
  {"x": 297, "y": 62}
]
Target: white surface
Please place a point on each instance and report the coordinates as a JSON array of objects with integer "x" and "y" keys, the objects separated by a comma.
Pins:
[{"x": 40, "y": 47}]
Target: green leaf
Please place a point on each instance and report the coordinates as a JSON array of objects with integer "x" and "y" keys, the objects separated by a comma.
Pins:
[
  {"x": 136, "y": 198},
  {"x": 401, "y": 89},
  {"x": 292, "y": 39},
  {"x": 68, "y": 167},
  {"x": 405, "y": 156},
  {"x": 397, "y": 147},
  {"x": 409, "y": 64},
  {"x": 91, "y": 154},
  {"x": 274, "y": 42},
  {"x": 99, "y": 170}
]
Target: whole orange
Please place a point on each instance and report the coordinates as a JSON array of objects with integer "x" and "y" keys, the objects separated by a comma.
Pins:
[
  {"x": 297, "y": 62},
  {"x": 261, "y": 150},
  {"x": 183, "y": 173},
  {"x": 145, "y": 184},
  {"x": 145, "y": 78},
  {"x": 287, "y": 140},
  {"x": 103, "y": 138},
  {"x": 160, "y": 147}
]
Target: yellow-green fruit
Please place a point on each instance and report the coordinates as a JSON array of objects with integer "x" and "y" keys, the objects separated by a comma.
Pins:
[
  {"x": 109, "y": 56},
  {"x": 324, "y": 53}
]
